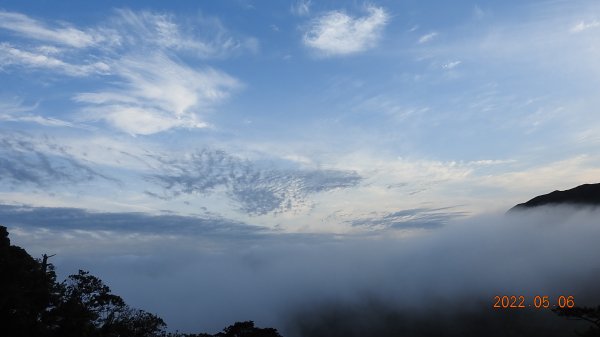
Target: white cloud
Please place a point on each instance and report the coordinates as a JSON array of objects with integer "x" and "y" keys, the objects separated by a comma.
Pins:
[
  {"x": 336, "y": 33},
  {"x": 301, "y": 8},
  {"x": 205, "y": 37},
  {"x": 427, "y": 37},
  {"x": 65, "y": 34},
  {"x": 554, "y": 175},
  {"x": 13, "y": 110},
  {"x": 451, "y": 65},
  {"x": 582, "y": 25},
  {"x": 10, "y": 55},
  {"x": 153, "y": 91},
  {"x": 156, "y": 94},
  {"x": 14, "y": 105},
  {"x": 143, "y": 31},
  {"x": 383, "y": 171},
  {"x": 47, "y": 121},
  {"x": 487, "y": 162}
]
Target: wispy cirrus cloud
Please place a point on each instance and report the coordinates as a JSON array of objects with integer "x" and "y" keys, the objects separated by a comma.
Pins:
[
  {"x": 427, "y": 37},
  {"x": 62, "y": 34},
  {"x": 336, "y": 33},
  {"x": 15, "y": 112},
  {"x": 13, "y": 105},
  {"x": 416, "y": 218},
  {"x": 156, "y": 94},
  {"x": 204, "y": 37},
  {"x": 38, "y": 59},
  {"x": 24, "y": 161},
  {"x": 154, "y": 90}
]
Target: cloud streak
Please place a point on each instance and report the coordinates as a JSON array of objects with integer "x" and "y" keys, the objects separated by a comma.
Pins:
[
  {"x": 33, "y": 29},
  {"x": 154, "y": 90},
  {"x": 203, "y": 37},
  {"x": 427, "y": 37},
  {"x": 156, "y": 94},
  {"x": 9, "y": 55},
  {"x": 13, "y": 110},
  {"x": 25, "y": 162},
  {"x": 416, "y": 218}
]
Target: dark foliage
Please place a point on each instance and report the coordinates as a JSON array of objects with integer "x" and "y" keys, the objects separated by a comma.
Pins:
[
  {"x": 27, "y": 293},
  {"x": 33, "y": 303},
  {"x": 247, "y": 329}
]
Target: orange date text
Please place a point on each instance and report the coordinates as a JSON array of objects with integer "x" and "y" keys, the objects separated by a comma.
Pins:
[{"x": 537, "y": 302}]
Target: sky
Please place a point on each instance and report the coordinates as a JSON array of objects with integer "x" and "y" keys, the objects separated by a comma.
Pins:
[
  {"x": 301, "y": 116},
  {"x": 240, "y": 121}
]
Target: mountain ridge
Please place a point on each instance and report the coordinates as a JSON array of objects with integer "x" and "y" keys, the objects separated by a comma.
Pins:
[{"x": 582, "y": 195}]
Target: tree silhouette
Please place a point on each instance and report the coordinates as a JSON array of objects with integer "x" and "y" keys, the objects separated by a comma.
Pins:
[
  {"x": 26, "y": 291},
  {"x": 247, "y": 329},
  {"x": 32, "y": 303},
  {"x": 88, "y": 308},
  {"x": 135, "y": 323}
]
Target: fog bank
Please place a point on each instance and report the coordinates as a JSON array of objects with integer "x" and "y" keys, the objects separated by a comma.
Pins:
[{"x": 416, "y": 283}]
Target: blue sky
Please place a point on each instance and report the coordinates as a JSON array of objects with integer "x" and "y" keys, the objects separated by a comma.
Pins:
[
  {"x": 297, "y": 116},
  {"x": 231, "y": 160}
]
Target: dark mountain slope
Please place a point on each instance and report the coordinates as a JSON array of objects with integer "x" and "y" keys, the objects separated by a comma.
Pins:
[{"x": 584, "y": 195}]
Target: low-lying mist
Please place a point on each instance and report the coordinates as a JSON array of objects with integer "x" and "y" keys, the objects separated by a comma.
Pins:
[{"x": 384, "y": 283}]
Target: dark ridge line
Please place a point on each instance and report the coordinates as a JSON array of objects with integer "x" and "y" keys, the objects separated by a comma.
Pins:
[{"x": 581, "y": 196}]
